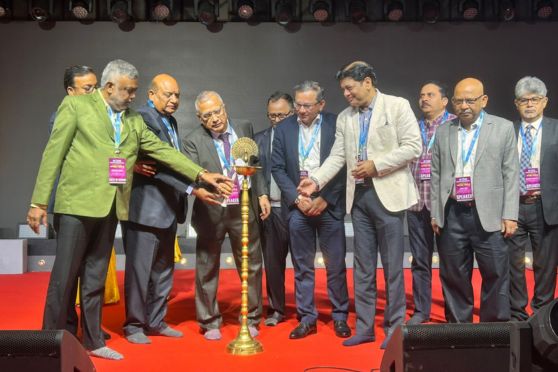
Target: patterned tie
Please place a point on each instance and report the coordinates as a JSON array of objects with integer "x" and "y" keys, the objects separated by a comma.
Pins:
[
  {"x": 227, "y": 146},
  {"x": 525, "y": 160}
]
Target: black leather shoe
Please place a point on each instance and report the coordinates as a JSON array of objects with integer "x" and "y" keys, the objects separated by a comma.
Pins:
[
  {"x": 303, "y": 330},
  {"x": 341, "y": 328}
]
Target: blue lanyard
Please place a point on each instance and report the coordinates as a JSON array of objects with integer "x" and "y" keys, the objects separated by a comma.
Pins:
[
  {"x": 170, "y": 129},
  {"x": 465, "y": 158},
  {"x": 305, "y": 152},
  {"x": 116, "y": 120},
  {"x": 220, "y": 151},
  {"x": 363, "y": 136},
  {"x": 531, "y": 149},
  {"x": 424, "y": 132}
]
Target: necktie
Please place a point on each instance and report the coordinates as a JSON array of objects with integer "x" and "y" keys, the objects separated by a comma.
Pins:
[
  {"x": 525, "y": 160},
  {"x": 227, "y": 148}
]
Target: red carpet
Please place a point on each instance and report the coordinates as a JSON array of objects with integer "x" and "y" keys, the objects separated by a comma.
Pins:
[{"x": 23, "y": 300}]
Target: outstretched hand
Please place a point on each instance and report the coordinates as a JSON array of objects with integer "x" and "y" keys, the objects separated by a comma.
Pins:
[{"x": 307, "y": 187}]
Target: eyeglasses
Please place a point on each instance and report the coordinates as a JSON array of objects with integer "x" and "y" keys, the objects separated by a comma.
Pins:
[
  {"x": 208, "y": 115},
  {"x": 306, "y": 106},
  {"x": 278, "y": 116},
  {"x": 467, "y": 101},
  {"x": 534, "y": 100}
]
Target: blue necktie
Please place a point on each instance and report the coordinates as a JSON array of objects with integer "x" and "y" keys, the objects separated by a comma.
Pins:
[{"x": 525, "y": 160}]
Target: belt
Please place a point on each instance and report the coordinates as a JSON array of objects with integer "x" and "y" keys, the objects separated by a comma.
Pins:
[
  {"x": 468, "y": 204},
  {"x": 529, "y": 199},
  {"x": 367, "y": 182}
]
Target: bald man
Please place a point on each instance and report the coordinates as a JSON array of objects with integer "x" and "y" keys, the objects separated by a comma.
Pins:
[
  {"x": 156, "y": 206},
  {"x": 474, "y": 196}
]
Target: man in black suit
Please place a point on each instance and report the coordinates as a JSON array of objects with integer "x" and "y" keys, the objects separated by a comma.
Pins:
[
  {"x": 300, "y": 145},
  {"x": 275, "y": 238},
  {"x": 211, "y": 144},
  {"x": 537, "y": 137}
]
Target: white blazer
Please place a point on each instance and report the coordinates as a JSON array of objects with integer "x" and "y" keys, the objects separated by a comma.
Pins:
[{"x": 393, "y": 142}]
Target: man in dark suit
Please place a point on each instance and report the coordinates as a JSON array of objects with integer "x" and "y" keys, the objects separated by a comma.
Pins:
[
  {"x": 474, "y": 196},
  {"x": 301, "y": 143},
  {"x": 275, "y": 238},
  {"x": 537, "y": 137},
  {"x": 210, "y": 145}
]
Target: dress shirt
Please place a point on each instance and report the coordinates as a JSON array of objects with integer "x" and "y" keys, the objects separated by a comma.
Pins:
[
  {"x": 219, "y": 143},
  {"x": 274, "y": 192},
  {"x": 312, "y": 163},
  {"x": 468, "y": 169},
  {"x": 536, "y": 159}
]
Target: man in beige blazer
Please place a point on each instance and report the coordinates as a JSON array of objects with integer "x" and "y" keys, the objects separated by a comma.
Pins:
[{"x": 377, "y": 137}]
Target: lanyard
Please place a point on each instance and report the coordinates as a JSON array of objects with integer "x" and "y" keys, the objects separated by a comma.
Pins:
[
  {"x": 305, "y": 152},
  {"x": 116, "y": 120},
  {"x": 424, "y": 132},
  {"x": 531, "y": 149},
  {"x": 364, "y": 129},
  {"x": 170, "y": 130},
  {"x": 465, "y": 158}
]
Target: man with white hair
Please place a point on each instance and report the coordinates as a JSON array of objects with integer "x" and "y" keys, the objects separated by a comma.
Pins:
[
  {"x": 94, "y": 145},
  {"x": 537, "y": 137}
]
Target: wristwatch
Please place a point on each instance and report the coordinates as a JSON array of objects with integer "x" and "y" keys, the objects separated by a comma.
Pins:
[{"x": 297, "y": 200}]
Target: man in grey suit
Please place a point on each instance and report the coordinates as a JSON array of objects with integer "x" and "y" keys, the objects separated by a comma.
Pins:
[
  {"x": 474, "y": 196},
  {"x": 210, "y": 145},
  {"x": 538, "y": 202}
]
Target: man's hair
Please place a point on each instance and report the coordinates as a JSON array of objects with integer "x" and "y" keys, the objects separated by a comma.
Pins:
[
  {"x": 118, "y": 68},
  {"x": 358, "y": 71},
  {"x": 204, "y": 96},
  {"x": 530, "y": 84},
  {"x": 276, "y": 96},
  {"x": 308, "y": 85},
  {"x": 75, "y": 71},
  {"x": 441, "y": 86}
]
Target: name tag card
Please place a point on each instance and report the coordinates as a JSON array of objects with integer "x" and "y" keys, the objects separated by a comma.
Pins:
[
  {"x": 117, "y": 171},
  {"x": 424, "y": 166},
  {"x": 463, "y": 189},
  {"x": 303, "y": 174},
  {"x": 532, "y": 179},
  {"x": 234, "y": 197}
]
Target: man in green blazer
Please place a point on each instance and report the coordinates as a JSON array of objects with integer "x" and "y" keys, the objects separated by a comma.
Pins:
[{"x": 94, "y": 145}]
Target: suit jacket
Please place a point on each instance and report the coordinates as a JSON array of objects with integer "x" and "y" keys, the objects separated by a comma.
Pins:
[
  {"x": 199, "y": 146},
  {"x": 153, "y": 202},
  {"x": 79, "y": 149},
  {"x": 263, "y": 140},
  {"x": 393, "y": 142},
  {"x": 286, "y": 171},
  {"x": 495, "y": 174},
  {"x": 549, "y": 161}
]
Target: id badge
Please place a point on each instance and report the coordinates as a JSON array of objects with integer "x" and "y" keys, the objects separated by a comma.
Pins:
[
  {"x": 424, "y": 169},
  {"x": 463, "y": 189},
  {"x": 303, "y": 174},
  {"x": 234, "y": 197},
  {"x": 532, "y": 179},
  {"x": 117, "y": 171},
  {"x": 358, "y": 181}
]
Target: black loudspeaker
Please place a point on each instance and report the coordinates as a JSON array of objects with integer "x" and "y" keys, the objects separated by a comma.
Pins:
[
  {"x": 45, "y": 351},
  {"x": 461, "y": 347}
]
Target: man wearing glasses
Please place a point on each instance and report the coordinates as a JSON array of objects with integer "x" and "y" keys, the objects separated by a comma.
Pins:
[
  {"x": 474, "y": 196},
  {"x": 275, "y": 239},
  {"x": 301, "y": 144},
  {"x": 210, "y": 145},
  {"x": 537, "y": 137}
]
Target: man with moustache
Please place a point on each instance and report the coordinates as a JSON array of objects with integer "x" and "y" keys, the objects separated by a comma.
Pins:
[
  {"x": 210, "y": 145},
  {"x": 433, "y": 100},
  {"x": 321, "y": 214},
  {"x": 474, "y": 196},
  {"x": 537, "y": 137},
  {"x": 377, "y": 137},
  {"x": 94, "y": 145},
  {"x": 274, "y": 235}
]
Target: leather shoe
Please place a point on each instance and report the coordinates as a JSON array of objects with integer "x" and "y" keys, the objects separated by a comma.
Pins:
[
  {"x": 418, "y": 319},
  {"x": 341, "y": 328},
  {"x": 303, "y": 330}
]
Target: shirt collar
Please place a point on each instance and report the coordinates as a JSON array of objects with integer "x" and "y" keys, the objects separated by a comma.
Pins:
[
  {"x": 535, "y": 124},
  {"x": 474, "y": 125},
  {"x": 216, "y": 135},
  {"x": 316, "y": 119},
  {"x": 438, "y": 120}
]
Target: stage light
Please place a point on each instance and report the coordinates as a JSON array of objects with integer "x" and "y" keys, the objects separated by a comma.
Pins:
[
  {"x": 40, "y": 10},
  {"x": 544, "y": 9},
  {"x": 161, "y": 10},
  {"x": 120, "y": 10},
  {"x": 246, "y": 9},
  {"x": 81, "y": 8},
  {"x": 5, "y": 8},
  {"x": 321, "y": 10},
  {"x": 431, "y": 11},
  {"x": 284, "y": 12},
  {"x": 394, "y": 10},
  {"x": 357, "y": 11},
  {"x": 436, "y": 259},
  {"x": 527, "y": 260},
  {"x": 207, "y": 11},
  {"x": 229, "y": 260},
  {"x": 183, "y": 261},
  {"x": 507, "y": 10},
  {"x": 470, "y": 10}
]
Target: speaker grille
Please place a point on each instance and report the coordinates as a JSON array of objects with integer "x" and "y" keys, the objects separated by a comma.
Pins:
[
  {"x": 25, "y": 343},
  {"x": 451, "y": 336}
]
